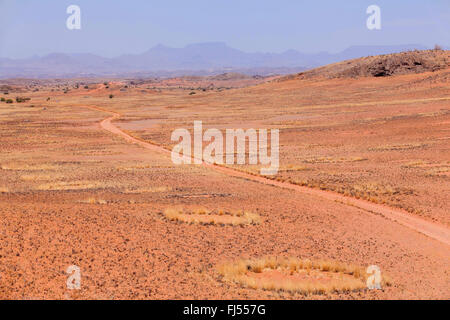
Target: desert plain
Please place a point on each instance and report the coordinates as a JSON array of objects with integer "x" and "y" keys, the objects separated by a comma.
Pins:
[{"x": 87, "y": 180}]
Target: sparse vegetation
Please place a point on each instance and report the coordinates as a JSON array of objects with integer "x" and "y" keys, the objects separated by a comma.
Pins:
[
  {"x": 439, "y": 171},
  {"x": 42, "y": 176},
  {"x": 334, "y": 160},
  {"x": 28, "y": 167},
  {"x": 148, "y": 190},
  {"x": 94, "y": 201},
  {"x": 414, "y": 164},
  {"x": 213, "y": 217},
  {"x": 4, "y": 190},
  {"x": 293, "y": 167},
  {"x": 71, "y": 185},
  {"x": 398, "y": 147},
  {"x": 22, "y": 99}
]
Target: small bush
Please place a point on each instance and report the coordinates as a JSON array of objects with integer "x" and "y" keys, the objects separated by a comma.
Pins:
[
  {"x": 86, "y": 87},
  {"x": 9, "y": 101},
  {"x": 22, "y": 99},
  {"x": 111, "y": 96},
  {"x": 2, "y": 99}
]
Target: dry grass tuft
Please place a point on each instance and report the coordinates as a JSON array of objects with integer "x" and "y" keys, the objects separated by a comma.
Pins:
[
  {"x": 70, "y": 185},
  {"x": 142, "y": 167},
  {"x": 148, "y": 190},
  {"x": 42, "y": 177},
  {"x": 414, "y": 164},
  {"x": 292, "y": 167},
  {"x": 334, "y": 160},
  {"x": 28, "y": 167},
  {"x": 296, "y": 275},
  {"x": 439, "y": 171},
  {"x": 4, "y": 190},
  {"x": 204, "y": 216},
  {"x": 94, "y": 201},
  {"x": 399, "y": 147}
]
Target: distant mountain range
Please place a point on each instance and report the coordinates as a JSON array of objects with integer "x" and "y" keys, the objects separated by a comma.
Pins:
[{"x": 195, "y": 59}]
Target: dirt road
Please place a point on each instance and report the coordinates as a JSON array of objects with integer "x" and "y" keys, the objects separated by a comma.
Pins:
[{"x": 432, "y": 230}]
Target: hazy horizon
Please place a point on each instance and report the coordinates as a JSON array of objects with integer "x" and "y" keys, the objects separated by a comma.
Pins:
[
  {"x": 110, "y": 29},
  {"x": 162, "y": 45}
]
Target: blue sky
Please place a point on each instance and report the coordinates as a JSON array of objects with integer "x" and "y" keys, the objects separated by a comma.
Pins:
[{"x": 111, "y": 28}]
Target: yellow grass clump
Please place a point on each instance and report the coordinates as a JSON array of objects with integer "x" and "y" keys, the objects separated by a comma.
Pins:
[
  {"x": 94, "y": 201},
  {"x": 296, "y": 275},
  {"x": 70, "y": 185},
  {"x": 216, "y": 217},
  {"x": 334, "y": 160},
  {"x": 42, "y": 177},
  {"x": 292, "y": 167},
  {"x": 28, "y": 167},
  {"x": 414, "y": 164},
  {"x": 399, "y": 147},
  {"x": 148, "y": 190},
  {"x": 142, "y": 166},
  {"x": 439, "y": 171},
  {"x": 4, "y": 190}
]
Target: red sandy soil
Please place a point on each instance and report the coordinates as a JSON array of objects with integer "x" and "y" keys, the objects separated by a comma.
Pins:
[
  {"x": 67, "y": 169},
  {"x": 433, "y": 230}
]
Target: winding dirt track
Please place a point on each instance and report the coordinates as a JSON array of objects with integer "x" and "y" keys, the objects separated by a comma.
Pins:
[{"x": 432, "y": 230}]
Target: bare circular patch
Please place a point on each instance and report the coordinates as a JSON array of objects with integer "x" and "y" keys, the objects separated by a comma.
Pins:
[
  {"x": 295, "y": 275},
  {"x": 213, "y": 217}
]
